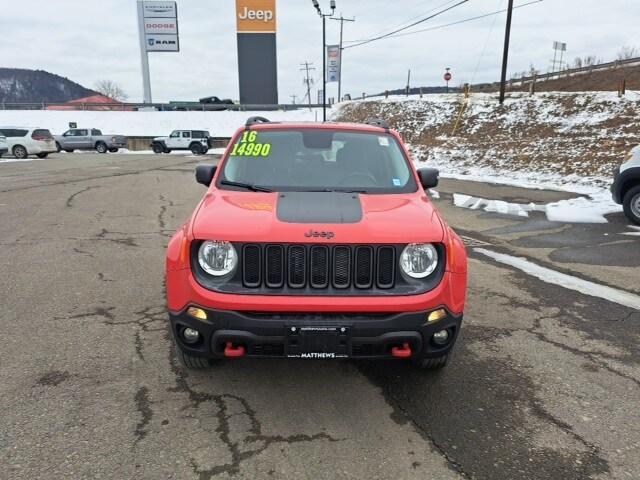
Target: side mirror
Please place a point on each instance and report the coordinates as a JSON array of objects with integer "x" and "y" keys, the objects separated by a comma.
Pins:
[
  {"x": 428, "y": 177},
  {"x": 205, "y": 173}
]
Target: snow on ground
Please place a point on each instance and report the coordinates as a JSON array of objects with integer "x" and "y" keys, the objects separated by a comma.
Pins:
[{"x": 147, "y": 124}]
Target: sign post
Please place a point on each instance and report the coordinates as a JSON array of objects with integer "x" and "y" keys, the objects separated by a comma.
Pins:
[
  {"x": 257, "y": 65},
  {"x": 157, "y": 32},
  {"x": 447, "y": 77}
]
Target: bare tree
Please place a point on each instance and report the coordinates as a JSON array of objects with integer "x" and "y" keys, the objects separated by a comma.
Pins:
[
  {"x": 577, "y": 62},
  {"x": 625, "y": 53},
  {"x": 111, "y": 89}
]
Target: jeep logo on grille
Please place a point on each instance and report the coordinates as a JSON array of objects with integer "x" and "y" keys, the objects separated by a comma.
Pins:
[{"x": 317, "y": 234}]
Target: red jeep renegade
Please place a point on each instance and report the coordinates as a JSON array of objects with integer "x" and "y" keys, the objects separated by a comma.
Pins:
[{"x": 316, "y": 241}]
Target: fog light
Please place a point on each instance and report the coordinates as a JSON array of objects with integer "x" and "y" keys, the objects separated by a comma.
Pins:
[
  {"x": 436, "y": 315},
  {"x": 197, "y": 313},
  {"x": 190, "y": 335},
  {"x": 441, "y": 337}
]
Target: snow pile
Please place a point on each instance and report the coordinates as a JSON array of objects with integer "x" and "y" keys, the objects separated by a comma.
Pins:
[
  {"x": 147, "y": 124},
  {"x": 551, "y": 138}
]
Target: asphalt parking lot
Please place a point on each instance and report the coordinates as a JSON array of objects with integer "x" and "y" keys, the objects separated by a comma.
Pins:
[{"x": 545, "y": 381}]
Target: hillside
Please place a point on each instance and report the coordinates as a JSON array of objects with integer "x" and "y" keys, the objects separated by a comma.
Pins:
[
  {"x": 561, "y": 136},
  {"x": 34, "y": 86}
]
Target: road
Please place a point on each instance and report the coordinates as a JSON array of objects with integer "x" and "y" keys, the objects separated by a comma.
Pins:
[{"x": 545, "y": 381}]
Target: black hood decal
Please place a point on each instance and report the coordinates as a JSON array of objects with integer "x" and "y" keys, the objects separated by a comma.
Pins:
[{"x": 319, "y": 207}]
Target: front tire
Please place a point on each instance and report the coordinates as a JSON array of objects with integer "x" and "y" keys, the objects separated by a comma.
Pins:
[
  {"x": 157, "y": 148},
  {"x": 42, "y": 154},
  {"x": 101, "y": 147},
  {"x": 191, "y": 362},
  {"x": 434, "y": 363},
  {"x": 631, "y": 204},
  {"x": 20, "y": 152}
]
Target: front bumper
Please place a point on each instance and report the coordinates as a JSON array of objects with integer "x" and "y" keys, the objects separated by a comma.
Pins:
[
  {"x": 3, "y": 150},
  {"x": 267, "y": 334}
]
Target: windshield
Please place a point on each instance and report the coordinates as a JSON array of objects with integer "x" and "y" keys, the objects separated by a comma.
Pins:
[{"x": 317, "y": 160}]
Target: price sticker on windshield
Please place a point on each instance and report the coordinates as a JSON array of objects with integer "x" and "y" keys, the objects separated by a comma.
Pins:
[{"x": 249, "y": 146}]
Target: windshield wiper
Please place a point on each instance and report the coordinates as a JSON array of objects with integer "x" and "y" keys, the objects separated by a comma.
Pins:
[{"x": 248, "y": 186}]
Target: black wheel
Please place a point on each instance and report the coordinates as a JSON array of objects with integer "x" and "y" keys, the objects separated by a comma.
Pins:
[
  {"x": 101, "y": 147},
  {"x": 19, "y": 152},
  {"x": 157, "y": 148},
  {"x": 196, "y": 149},
  {"x": 43, "y": 154},
  {"x": 68, "y": 151},
  {"x": 434, "y": 363},
  {"x": 113, "y": 150},
  {"x": 631, "y": 204},
  {"x": 191, "y": 362},
  {"x": 58, "y": 147},
  {"x": 204, "y": 151}
]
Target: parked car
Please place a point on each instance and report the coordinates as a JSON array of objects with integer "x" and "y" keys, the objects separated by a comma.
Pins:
[
  {"x": 4, "y": 146},
  {"x": 89, "y": 139},
  {"x": 626, "y": 185},
  {"x": 215, "y": 103},
  {"x": 198, "y": 141},
  {"x": 316, "y": 241},
  {"x": 25, "y": 141}
]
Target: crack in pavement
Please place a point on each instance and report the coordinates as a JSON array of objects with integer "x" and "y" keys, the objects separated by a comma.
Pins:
[
  {"x": 143, "y": 406},
  {"x": 69, "y": 203},
  {"x": 224, "y": 430}
]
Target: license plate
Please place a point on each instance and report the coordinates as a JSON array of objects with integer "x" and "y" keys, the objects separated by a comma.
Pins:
[{"x": 318, "y": 342}]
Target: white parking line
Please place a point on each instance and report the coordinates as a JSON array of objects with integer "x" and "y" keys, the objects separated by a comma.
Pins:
[{"x": 567, "y": 281}]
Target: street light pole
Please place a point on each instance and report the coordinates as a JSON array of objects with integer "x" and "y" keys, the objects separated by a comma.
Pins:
[
  {"x": 341, "y": 50},
  {"x": 332, "y": 4}
]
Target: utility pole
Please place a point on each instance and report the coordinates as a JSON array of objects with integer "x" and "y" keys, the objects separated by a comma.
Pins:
[
  {"x": 324, "y": 16},
  {"x": 408, "y": 82},
  {"x": 505, "y": 55},
  {"x": 307, "y": 67},
  {"x": 341, "y": 20}
]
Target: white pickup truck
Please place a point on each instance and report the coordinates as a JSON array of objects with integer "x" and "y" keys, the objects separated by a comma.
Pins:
[
  {"x": 198, "y": 141},
  {"x": 89, "y": 139}
]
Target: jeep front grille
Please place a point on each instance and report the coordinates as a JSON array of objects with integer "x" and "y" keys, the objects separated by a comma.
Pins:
[{"x": 318, "y": 266}]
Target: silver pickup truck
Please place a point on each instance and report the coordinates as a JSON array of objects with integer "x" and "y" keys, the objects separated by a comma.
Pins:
[{"x": 89, "y": 139}]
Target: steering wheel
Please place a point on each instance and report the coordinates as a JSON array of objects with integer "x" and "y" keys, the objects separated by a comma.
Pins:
[{"x": 370, "y": 180}]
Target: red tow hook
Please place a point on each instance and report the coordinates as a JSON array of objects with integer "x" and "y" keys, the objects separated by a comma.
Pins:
[
  {"x": 231, "y": 351},
  {"x": 401, "y": 352}
]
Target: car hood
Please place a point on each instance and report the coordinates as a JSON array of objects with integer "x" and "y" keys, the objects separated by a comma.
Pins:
[
  {"x": 160, "y": 139},
  {"x": 311, "y": 217}
]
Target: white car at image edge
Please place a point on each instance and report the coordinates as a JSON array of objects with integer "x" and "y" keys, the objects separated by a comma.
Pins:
[
  {"x": 25, "y": 141},
  {"x": 626, "y": 185},
  {"x": 4, "y": 146}
]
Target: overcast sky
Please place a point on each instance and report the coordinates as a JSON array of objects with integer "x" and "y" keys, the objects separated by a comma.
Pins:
[{"x": 89, "y": 40}]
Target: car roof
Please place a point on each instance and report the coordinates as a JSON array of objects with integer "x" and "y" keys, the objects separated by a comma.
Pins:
[{"x": 361, "y": 127}]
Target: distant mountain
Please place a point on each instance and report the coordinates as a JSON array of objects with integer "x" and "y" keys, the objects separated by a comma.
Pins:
[{"x": 19, "y": 85}]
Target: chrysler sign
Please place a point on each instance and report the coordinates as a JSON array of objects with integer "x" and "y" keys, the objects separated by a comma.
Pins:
[{"x": 160, "y": 9}]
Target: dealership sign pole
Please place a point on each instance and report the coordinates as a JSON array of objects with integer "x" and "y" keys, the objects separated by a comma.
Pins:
[{"x": 158, "y": 32}]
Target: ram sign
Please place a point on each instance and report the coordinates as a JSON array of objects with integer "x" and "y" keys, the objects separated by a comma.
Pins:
[{"x": 160, "y": 23}]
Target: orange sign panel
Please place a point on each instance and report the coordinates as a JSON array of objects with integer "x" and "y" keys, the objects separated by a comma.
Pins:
[{"x": 257, "y": 16}]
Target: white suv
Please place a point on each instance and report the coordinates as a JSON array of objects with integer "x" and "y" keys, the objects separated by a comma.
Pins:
[
  {"x": 626, "y": 185},
  {"x": 198, "y": 141},
  {"x": 25, "y": 141}
]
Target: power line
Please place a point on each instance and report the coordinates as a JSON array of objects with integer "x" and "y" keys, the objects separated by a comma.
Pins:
[
  {"x": 438, "y": 27},
  {"x": 380, "y": 37}
]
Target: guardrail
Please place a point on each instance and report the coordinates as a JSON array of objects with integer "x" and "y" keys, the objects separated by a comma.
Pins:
[
  {"x": 571, "y": 71},
  {"x": 163, "y": 107}
]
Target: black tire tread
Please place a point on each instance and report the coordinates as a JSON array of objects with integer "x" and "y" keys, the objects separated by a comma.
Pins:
[
  {"x": 434, "y": 363},
  {"x": 626, "y": 204},
  {"x": 191, "y": 362}
]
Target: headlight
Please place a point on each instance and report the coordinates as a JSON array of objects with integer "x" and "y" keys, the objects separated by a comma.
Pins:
[
  {"x": 217, "y": 258},
  {"x": 419, "y": 260}
]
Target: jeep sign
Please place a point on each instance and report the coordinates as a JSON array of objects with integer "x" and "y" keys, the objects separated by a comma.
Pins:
[{"x": 257, "y": 16}]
